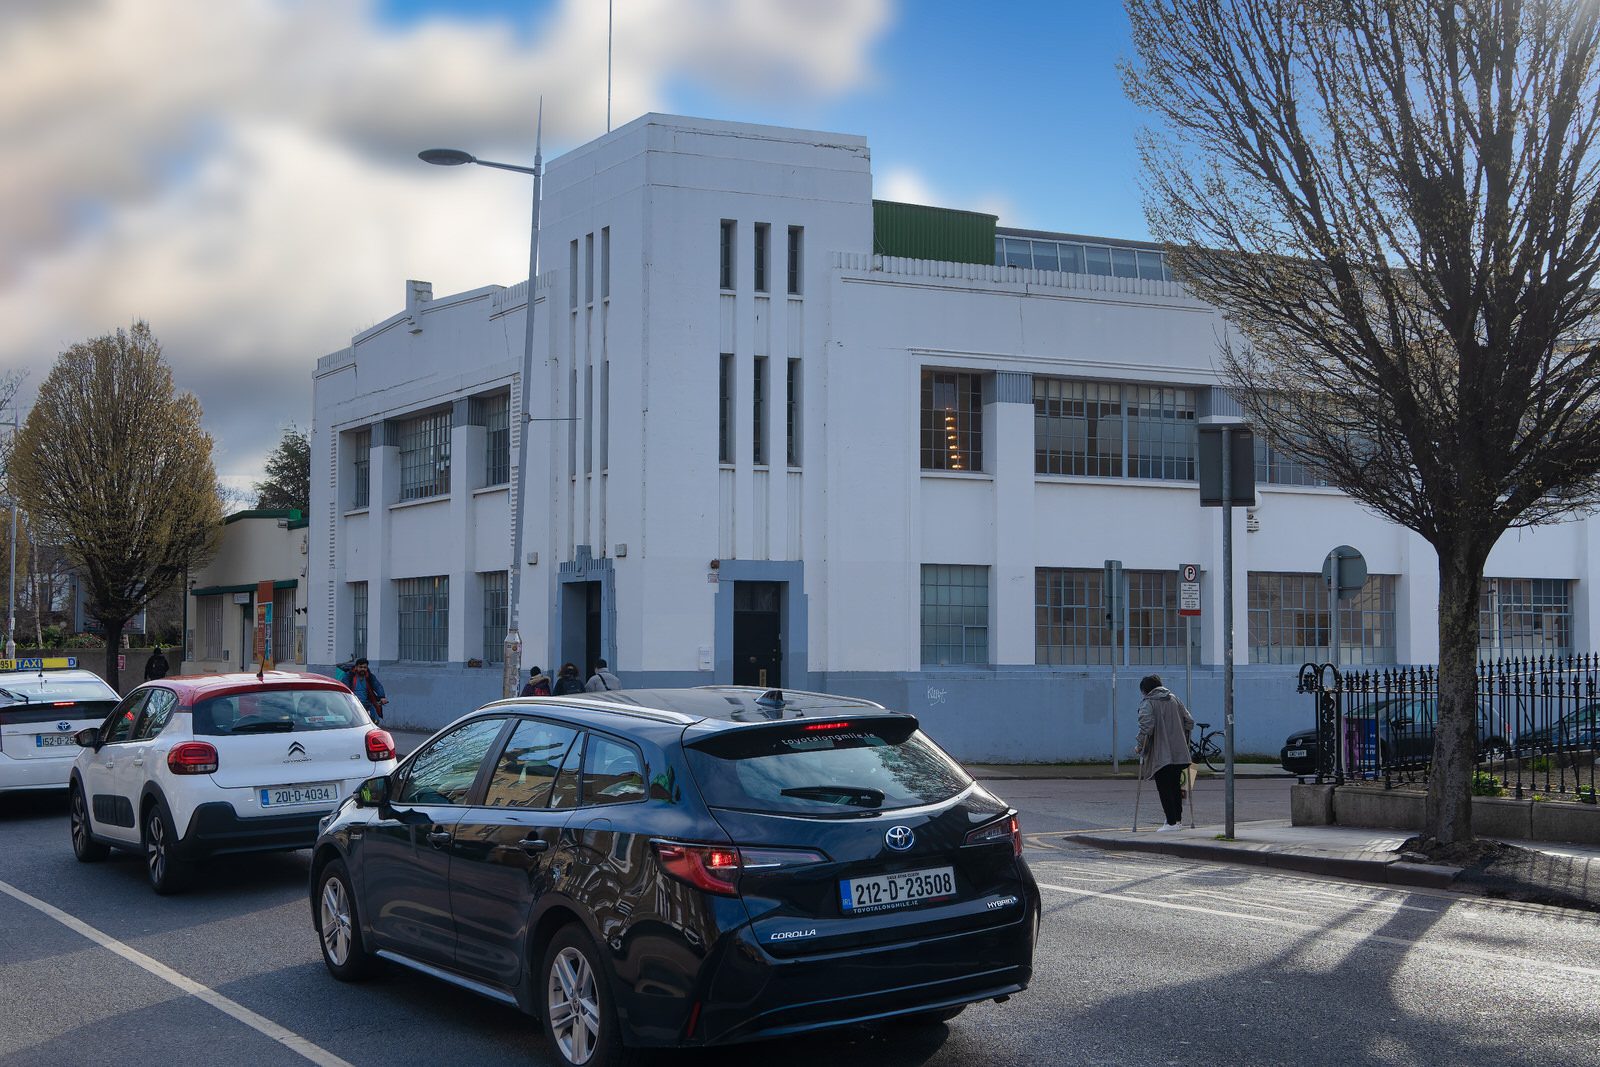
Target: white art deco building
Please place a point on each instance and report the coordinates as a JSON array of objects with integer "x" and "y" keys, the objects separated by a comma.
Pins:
[{"x": 785, "y": 435}]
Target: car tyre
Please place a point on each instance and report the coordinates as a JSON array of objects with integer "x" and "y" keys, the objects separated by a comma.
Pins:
[
  {"x": 928, "y": 1018},
  {"x": 168, "y": 874},
  {"x": 338, "y": 922},
  {"x": 84, "y": 846},
  {"x": 580, "y": 1019}
]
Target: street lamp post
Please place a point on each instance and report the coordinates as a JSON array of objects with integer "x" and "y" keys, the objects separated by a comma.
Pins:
[{"x": 449, "y": 157}]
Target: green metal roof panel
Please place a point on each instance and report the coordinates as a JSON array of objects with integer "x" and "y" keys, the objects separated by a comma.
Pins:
[
  {"x": 292, "y": 514},
  {"x": 916, "y": 231}
]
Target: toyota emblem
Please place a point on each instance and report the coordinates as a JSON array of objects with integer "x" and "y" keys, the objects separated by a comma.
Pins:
[
  {"x": 899, "y": 838},
  {"x": 63, "y": 726}
]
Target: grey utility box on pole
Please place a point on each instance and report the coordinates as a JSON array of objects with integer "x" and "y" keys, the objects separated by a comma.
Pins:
[{"x": 1227, "y": 462}]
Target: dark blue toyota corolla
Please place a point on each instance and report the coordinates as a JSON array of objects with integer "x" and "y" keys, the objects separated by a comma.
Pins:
[{"x": 683, "y": 867}]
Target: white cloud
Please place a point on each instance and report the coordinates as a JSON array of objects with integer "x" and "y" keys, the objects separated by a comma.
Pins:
[
  {"x": 910, "y": 186},
  {"x": 243, "y": 174}
]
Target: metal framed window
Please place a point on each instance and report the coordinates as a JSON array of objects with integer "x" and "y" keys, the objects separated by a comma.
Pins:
[
  {"x": 1155, "y": 629},
  {"x": 209, "y": 609},
  {"x": 725, "y": 448},
  {"x": 1277, "y": 467},
  {"x": 792, "y": 413},
  {"x": 572, "y": 275},
  {"x": 796, "y": 238},
  {"x": 358, "y": 619},
  {"x": 495, "y": 584},
  {"x": 763, "y": 235},
  {"x": 952, "y": 421},
  {"x": 1161, "y": 432},
  {"x": 283, "y": 620},
  {"x": 496, "y": 415},
  {"x": 361, "y": 468},
  {"x": 1108, "y": 430},
  {"x": 1077, "y": 257},
  {"x": 1289, "y": 620},
  {"x": 425, "y": 455},
  {"x": 758, "y": 422},
  {"x": 588, "y": 268},
  {"x": 1070, "y": 625},
  {"x": 605, "y": 263},
  {"x": 729, "y": 235},
  {"x": 955, "y": 614},
  {"x": 424, "y": 618},
  {"x": 1525, "y": 617}
]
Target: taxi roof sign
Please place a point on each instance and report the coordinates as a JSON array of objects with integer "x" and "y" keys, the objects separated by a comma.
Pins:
[{"x": 52, "y": 663}]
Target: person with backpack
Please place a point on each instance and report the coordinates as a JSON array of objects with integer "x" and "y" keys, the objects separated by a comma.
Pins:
[
  {"x": 1163, "y": 746},
  {"x": 602, "y": 680},
  {"x": 368, "y": 690},
  {"x": 568, "y": 681},
  {"x": 537, "y": 685}
]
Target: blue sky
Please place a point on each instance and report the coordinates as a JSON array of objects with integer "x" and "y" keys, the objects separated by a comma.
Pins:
[{"x": 1015, "y": 105}]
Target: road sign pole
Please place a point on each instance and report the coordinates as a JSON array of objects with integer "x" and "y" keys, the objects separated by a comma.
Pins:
[{"x": 1227, "y": 629}]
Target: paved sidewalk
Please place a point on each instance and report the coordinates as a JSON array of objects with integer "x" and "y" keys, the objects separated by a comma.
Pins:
[{"x": 1550, "y": 873}]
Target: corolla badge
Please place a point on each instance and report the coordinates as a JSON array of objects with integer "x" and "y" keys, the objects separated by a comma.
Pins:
[
  {"x": 297, "y": 754},
  {"x": 63, "y": 726},
  {"x": 899, "y": 838}
]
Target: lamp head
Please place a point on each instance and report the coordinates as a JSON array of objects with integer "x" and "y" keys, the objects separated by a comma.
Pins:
[{"x": 445, "y": 157}]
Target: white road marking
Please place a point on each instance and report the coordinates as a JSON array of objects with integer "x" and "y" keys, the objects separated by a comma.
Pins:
[
  {"x": 1342, "y": 935},
  {"x": 259, "y": 1023}
]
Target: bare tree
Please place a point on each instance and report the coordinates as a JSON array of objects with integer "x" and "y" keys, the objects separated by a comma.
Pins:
[
  {"x": 112, "y": 466},
  {"x": 1394, "y": 205}
]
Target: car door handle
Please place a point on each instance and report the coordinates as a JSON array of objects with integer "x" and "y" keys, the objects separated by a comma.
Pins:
[
  {"x": 534, "y": 844},
  {"x": 439, "y": 838},
  {"x": 139, "y": 761}
]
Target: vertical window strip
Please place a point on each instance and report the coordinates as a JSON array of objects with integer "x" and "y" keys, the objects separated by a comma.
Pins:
[
  {"x": 763, "y": 233},
  {"x": 729, "y": 234},
  {"x": 792, "y": 413},
  {"x": 497, "y": 438},
  {"x": 495, "y": 585},
  {"x": 758, "y": 423},
  {"x": 425, "y": 455},
  {"x": 605, "y": 263},
  {"x": 796, "y": 235},
  {"x": 952, "y": 421},
  {"x": 588, "y": 268},
  {"x": 725, "y": 449},
  {"x": 424, "y": 618},
  {"x": 361, "y": 468},
  {"x": 572, "y": 276},
  {"x": 588, "y": 419},
  {"x": 955, "y": 614},
  {"x": 1289, "y": 620},
  {"x": 358, "y": 619}
]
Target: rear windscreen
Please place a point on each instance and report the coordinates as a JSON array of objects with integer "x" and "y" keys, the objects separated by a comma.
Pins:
[
  {"x": 277, "y": 711},
  {"x": 56, "y": 711},
  {"x": 842, "y": 768}
]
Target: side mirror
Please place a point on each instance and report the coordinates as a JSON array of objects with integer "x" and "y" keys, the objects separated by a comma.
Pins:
[
  {"x": 89, "y": 738},
  {"x": 373, "y": 792}
]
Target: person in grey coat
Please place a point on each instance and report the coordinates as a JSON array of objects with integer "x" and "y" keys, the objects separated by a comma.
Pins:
[{"x": 1163, "y": 745}]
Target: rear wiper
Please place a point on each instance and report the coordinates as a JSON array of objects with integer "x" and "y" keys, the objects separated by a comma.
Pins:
[
  {"x": 15, "y": 696},
  {"x": 860, "y": 796},
  {"x": 263, "y": 726}
]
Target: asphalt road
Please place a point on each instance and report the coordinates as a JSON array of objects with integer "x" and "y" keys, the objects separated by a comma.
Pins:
[{"x": 1142, "y": 960}]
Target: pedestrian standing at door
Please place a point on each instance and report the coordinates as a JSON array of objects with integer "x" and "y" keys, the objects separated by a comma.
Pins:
[
  {"x": 537, "y": 685},
  {"x": 365, "y": 685},
  {"x": 1163, "y": 745},
  {"x": 602, "y": 680},
  {"x": 568, "y": 682},
  {"x": 156, "y": 666}
]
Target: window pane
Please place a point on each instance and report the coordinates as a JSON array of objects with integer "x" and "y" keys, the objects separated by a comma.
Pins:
[
  {"x": 425, "y": 456},
  {"x": 955, "y": 614},
  {"x": 443, "y": 773},
  {"x": 527, "y": 768},
  {"x": 612, "y": 772},
  {"x": 358, "y": 619},
  {"x": 1150, "y": 266},
  {"x": 728, "y": 236},
  {"x": 795, "y": 236},
  {"x": 725, "y": 409},
  {"x": 1124, "y": 264},
  {"x": 495, "y": 414},
  {"x": 762, "y": 233},
  {"x": 758, "y": 424},
  {"x": 1097, "y": 259},
  {"x": 1018, "y": 254},
  {"x": 1077, "y": 428},
  {"x": 495, "y": 585},
  {"x": 361, "y": 468},
  {"x": 1071, "y": 258},
  {"x": 1525, "y": 617},
  {"x": 424, "y": 618},
  {"x": 1161, "y": 432},
  {"x": 792, "y": 414},
  {"x": 1070, "y": 617},
  {"x": 1045, "y": 257},
  {"x": 952, "y": 421},
  {"x": 1290, "y": 621}
]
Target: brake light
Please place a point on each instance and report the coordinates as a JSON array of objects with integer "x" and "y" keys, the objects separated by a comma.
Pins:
[
  {"x": 716, "y": 868},
  {"x": 825, "y": 726},
  {"x": 998, "y": 831},
  {"x": 192, "y": 757},
  {"x": 62, "y": 703},
  {"x": 380, "y": 745}
]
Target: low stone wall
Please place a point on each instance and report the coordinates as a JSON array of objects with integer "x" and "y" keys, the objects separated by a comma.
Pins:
[{"x": 1404, "y": 809}]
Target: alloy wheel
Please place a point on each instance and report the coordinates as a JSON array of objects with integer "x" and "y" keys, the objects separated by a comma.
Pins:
[
  {"x": 573, "y": 1005},
  {"x": 80, "y": 823},
  {"x": 155, "y": 837},
  {"x": 336, "y": 921}
]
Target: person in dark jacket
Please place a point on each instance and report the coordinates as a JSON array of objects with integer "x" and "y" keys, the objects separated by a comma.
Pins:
[
  {"x": 568, "y": 681},
  {"x": 156, "y": 666},
  {"x": 365, "y": 685},
  {"x": 1163, "y": 745},
  {"x": 537, "y": 685}
]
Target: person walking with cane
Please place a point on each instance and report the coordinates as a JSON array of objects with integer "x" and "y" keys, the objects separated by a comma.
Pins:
[{"x": 1163, "y": 746}]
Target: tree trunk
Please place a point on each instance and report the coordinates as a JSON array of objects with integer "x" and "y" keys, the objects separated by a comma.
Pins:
[
  {"x": 1455, "y": 738},
  {"x": 113, "y": 632}
]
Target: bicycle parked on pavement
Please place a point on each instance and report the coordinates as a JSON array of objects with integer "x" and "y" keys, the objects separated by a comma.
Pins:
[{"x": 1207, "y": 747}]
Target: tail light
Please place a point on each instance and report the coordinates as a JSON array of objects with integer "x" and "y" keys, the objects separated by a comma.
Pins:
[
  {"x": 192, "y": 757},
  {"x": 998, "y": 831},
  {"x": 380, "y": 745},
  {"x": 716, "y": 868}
]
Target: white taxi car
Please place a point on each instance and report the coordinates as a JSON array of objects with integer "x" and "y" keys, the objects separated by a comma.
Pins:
[
  {"x": 43, "y": 703},
  {"x": 190, "y": 767}
]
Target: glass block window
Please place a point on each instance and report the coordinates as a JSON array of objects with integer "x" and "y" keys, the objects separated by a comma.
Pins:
[
  {"x": 725, "y": 409},
  {"x": 759, "y": 412},
  {"x": 358, "y": 619},
  {"x": 952, "y": 421},
  {"x": 1525, "y": 617},
  {"x": 729, "y": 235},
  {"x": 361, "y": 468},
  {"x": 1289, "y": 620},
  {"x": 1107, "y": 430},
  {"x": 796, "y": 236},
  {"x": 1077, "y": 428},
  {"x": 1070, "y": 624},
  {"x": 496, "y": 415},
  {"x": 425, "y": 455},
  {"x": 792, "y": 413},
  {"x": 424, "y": 618},
  {"x": 763, "y": 234},
  {"x": 955, "y": 614},
  {"x": 495, "y": 584}
]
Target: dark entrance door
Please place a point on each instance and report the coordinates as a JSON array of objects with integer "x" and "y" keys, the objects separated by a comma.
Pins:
[
  {"x": 591, "y": 629},
  {"x": 758, "y": 634},
  {"x": 580, "y": 625}
]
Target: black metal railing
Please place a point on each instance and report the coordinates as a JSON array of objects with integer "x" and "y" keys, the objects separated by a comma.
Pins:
[{"x": 1538, "y": 728}]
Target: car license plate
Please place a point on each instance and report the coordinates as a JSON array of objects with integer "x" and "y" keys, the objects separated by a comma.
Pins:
[
  {"x": 283, "y": 796},
  {"x": 54, "y": 740},
  {"x": 1295, "y": 753},
  {"x": 881, "y": 892}
]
